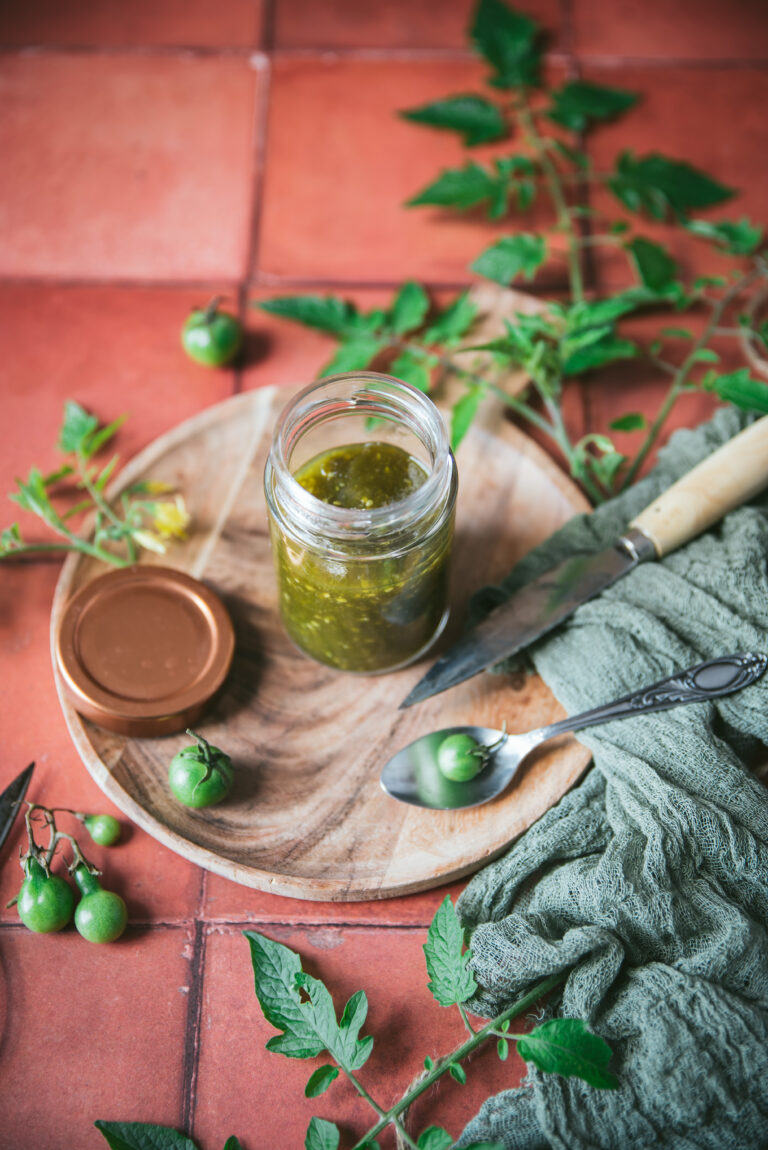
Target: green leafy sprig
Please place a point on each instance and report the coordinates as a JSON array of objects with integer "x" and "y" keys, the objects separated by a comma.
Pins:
[
  {"x": 583, "y": 334},
  {"x": 139, "y": 521},
  {"x": 300, "y": 1007}
]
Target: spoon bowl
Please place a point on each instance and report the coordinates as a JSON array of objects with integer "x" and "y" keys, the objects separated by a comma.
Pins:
[{"x": 413, "y": 776}]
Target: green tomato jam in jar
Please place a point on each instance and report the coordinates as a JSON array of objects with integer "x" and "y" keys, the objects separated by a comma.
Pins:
[{"x": 361, "y": 490}]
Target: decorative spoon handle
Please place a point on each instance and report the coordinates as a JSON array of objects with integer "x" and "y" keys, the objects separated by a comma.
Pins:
[{"x": 706, "y": 681}]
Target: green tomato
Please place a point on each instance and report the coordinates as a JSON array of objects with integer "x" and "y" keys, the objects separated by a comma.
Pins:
[
  {"x": 212, "y": 337},
  {"x": 101, "y": 915},
  {"x": 460, "y": 757},
  {"x": 202, "y": 775},
  {"x": 103, "y": 829},
  {"x": 45, "y": 901}
]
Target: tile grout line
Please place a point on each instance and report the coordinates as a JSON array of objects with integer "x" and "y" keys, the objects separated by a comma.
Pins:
[
  {"x": 240, "y": 362},
  {"x": 207, "y": 924},
  {"x": 191, "y": 1059},
  {"x": 192, "y": 1029},
  {"x": 252, "y": 283},
  {"x": 330, "y": 53},
  {"x": 269, "y": 26},
  {"x": 567, "y": 33},
  {"x": 258, "y": 162},
  {"x": 238, "y": 925},
  {"x": 585, "y": 224},
  {"x": 259, "y": 168}
]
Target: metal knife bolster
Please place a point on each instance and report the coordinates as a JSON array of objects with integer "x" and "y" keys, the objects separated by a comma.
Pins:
[{"x": 637, "y": 545}]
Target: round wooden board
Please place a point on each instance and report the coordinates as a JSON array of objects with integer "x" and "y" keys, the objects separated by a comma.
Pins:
[{"x": 307, "y": 817}]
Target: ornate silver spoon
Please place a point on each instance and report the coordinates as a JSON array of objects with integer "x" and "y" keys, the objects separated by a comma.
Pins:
[{"x": 413, "y": 776}]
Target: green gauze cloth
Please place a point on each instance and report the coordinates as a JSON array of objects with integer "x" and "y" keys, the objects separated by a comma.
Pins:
[{"x": 649, "y": 880}]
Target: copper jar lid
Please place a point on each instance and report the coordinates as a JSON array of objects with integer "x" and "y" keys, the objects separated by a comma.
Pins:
[{"x": 142, "y": 650}]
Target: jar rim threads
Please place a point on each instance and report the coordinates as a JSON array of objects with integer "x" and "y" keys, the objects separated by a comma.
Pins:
[{"x": 368, "y": 394}]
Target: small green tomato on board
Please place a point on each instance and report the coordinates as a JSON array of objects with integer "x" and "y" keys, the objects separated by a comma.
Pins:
[
  {"x": 212, "y": 337},
  {"x": 202, "y": 775},
  {"x": 460, "y": 757},
  {"x": 45, "y": 901}
]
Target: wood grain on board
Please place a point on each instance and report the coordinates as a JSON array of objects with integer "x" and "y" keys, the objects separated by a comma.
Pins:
[{"x": 307, "y": 817}]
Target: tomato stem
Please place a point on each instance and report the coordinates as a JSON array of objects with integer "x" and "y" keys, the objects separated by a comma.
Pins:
[
  {"x": 86, "y": 880},
  {"x": 211, "y": 308}
]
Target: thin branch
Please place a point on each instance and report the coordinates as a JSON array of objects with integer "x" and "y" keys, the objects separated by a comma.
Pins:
[
  {"x": 681, "y": 376},
  {"x": 564, "y": 219},
  {"x": 461, "y": 1052}
]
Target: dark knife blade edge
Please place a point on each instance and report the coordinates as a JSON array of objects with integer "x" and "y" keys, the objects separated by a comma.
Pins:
[
  {"x": 531, "y": 612},
  {"x": 11, "y": 799}
]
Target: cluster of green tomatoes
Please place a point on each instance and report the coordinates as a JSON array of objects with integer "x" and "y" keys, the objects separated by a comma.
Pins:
[
  {"x": 46, "y": 901},
  {"x": 199, "y": 776}
]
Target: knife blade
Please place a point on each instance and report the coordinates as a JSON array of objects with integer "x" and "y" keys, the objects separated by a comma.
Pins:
[
  {"x": 725, "y": 479},
  {"x": 11, "y": 799}
]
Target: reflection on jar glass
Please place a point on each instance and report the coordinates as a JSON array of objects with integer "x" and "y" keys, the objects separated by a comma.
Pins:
[{"x": 361, "y": 490}]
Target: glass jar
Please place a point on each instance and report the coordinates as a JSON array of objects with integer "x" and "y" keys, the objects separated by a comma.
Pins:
[{"x": 362, "y": 589}]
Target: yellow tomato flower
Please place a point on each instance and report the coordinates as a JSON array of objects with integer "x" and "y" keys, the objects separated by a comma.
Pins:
[{"x": 171, "y": 519}]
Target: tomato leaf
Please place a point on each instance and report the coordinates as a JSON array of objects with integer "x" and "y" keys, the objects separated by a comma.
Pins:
[
  {"x": 33, "y": 496},
  {"x": 502, "y": 1049},
  {"x": 10, "y": 539},
  {"x": 478, "y": 120},
  {"x": 608, "y": 349},
  {"x": 459, "y": 188},
  {"x": 413, "y": 369},
  {"x": 599, "y": 312},
  {"x": 738, "y": 238},
  {"x": 632, "y": 421},
  {"x": 565, "y": 1046},
  {"x": 463, "y": 413},
  {"x": 659, "y": 186},
  {"x": 472, "y": 185},
  {"x": 451, "y": 981},
  {"x": 458, "y": 1073},
  {"x": 275, "y": 968},
  {"x": 509, "y": 42},
  {"x": 409, "y": 308},
  {"x": 342, "y": 1039},
  {"x": 232, "y": 1143},
  {"x": 97, "y": 440},
  {"x": 354, "y": 355},
  {"x": 143, "y": 1136},
  {"x": 77, "y": 428},
  {"x": 102, "y": 479},
  {"x": 321, "y": 1135},
  {"x": 434, "y": 1138},
  {"x": 510, "y": 257},
  {"x": 320, "y": 1080},
  {"x": 325, "y": 313},
  {"x": 452, "y": 323},
  {"x": 577, "y": 106},
  {"x": 705, "y": 355},
  {"x": 738, "y": 388},
  {"x": 653, "y": 263}
]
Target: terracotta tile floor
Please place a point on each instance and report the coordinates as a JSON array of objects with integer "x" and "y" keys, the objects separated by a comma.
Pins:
[{"x": 153, "y": 155}]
